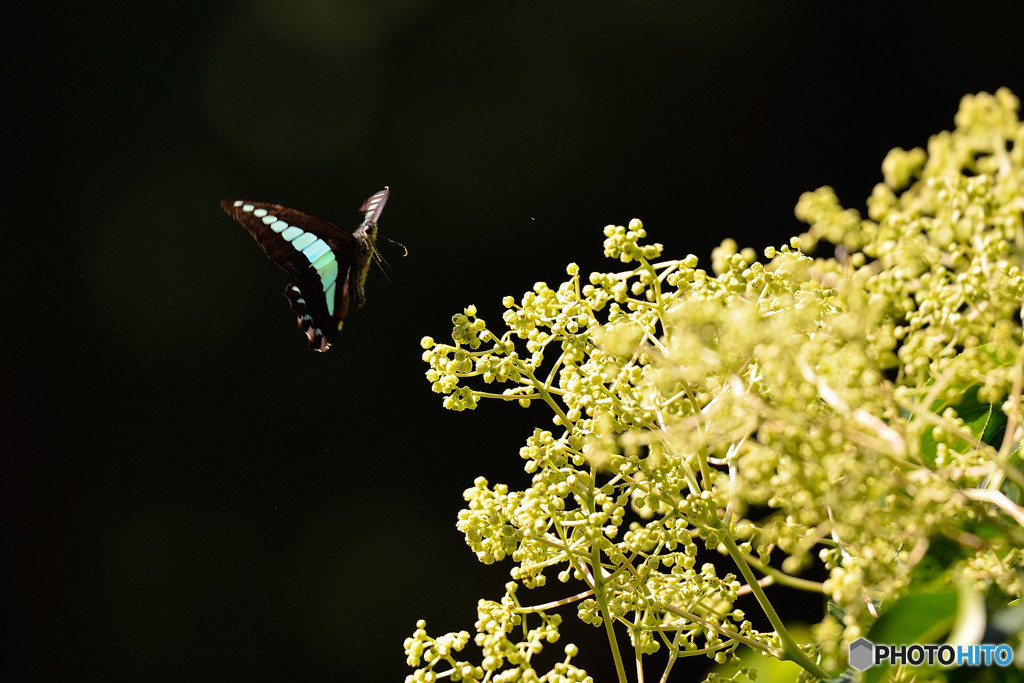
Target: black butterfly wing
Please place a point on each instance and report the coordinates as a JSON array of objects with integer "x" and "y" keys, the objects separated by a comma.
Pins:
[
  {"x": 318, "y": 254},
  {"x": 312, "y": 317}
]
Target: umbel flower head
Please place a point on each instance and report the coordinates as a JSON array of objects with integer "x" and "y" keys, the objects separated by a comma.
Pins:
[{"x": 715, "y": 435}]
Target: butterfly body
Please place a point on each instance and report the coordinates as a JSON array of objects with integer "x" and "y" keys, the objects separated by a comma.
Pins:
[{"x": 329, "y": 264}]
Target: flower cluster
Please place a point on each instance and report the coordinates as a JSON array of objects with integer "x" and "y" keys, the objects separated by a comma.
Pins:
[
  {"x": 714, "y": 433},
  {"x": 505, "y": 660}
]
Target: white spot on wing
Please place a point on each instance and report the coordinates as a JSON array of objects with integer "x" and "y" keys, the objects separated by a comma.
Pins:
[
  {"x": 303, "y": 241},
  {"x": 326, "y": 258},
  {"x": 291, "y": 233},
  {"x": 316, "y": 250}
]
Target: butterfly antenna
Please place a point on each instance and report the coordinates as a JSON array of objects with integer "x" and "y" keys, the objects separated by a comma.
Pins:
[
  {"x": 404, "y": 249},
  {"x": 378, "y": 259}
]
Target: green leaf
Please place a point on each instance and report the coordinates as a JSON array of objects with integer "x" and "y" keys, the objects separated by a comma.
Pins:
[
  {"x": 914, "y": 618},
  {"x": 985, "y": 420}
]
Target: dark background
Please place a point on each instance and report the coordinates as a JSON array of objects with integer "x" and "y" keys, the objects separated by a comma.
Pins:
[{"x": 187, "y": 492}]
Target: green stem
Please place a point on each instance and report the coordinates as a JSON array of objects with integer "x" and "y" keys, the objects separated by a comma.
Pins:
[
  {"x": 609, "y": 623},
  {"x": 789, "y": 646},
  {"x": 537, "y": 384},
  {"x": 784, "y": 579}
]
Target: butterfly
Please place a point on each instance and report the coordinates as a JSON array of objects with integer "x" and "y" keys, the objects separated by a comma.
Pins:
[{"x": 329, "y": 264}]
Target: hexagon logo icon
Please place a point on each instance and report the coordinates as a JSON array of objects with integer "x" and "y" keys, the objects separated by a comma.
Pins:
[{"x": 862, "y": 654}]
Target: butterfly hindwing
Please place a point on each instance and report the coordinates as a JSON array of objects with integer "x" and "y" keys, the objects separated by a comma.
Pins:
[
  {"x": 329, "y": 264},
  {"x": 311, "y": 317}
]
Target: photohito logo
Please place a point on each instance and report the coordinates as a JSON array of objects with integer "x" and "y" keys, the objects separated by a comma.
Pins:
[{"x": 865, "y": 654}]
